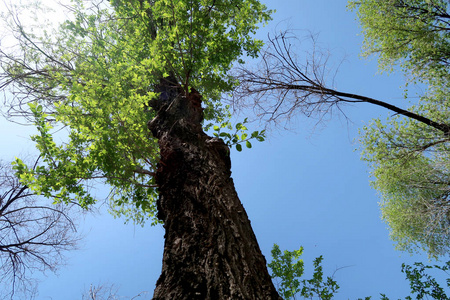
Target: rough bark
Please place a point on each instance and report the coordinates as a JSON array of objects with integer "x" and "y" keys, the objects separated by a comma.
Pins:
[{"x": 210, "y": 249}]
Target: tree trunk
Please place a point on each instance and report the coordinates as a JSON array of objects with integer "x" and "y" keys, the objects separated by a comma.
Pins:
[{"x": 210, "y": 249}]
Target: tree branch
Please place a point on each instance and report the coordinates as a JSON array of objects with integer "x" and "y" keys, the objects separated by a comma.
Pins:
[{"x": 281, "y": 86}]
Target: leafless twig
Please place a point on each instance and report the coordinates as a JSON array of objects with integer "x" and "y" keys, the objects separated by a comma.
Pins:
[
  {"x": 282, "y": 86},
  {"x": 34, "y": 235}
]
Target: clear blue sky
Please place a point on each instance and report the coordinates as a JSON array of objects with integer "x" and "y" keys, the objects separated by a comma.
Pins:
[{"x": 303, "y": 187}]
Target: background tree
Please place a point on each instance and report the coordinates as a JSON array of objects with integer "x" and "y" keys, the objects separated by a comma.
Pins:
[
  {"x": 34, "y": 235},
  {"x": 107, "y": 292},
  {"x": 413, "y": 174},
  {"x": 409, "y": 153}
]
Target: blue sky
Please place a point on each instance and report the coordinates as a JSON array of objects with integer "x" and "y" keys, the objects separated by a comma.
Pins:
[{"x": 303, "y": 187}]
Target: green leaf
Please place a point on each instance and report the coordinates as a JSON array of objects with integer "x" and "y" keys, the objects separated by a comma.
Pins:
[{"x": 225, "y": 134}]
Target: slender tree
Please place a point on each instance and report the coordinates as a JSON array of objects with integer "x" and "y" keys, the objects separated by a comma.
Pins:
[
  {"x": 409, "y": 153},
  {"x": 131, "y": 83}
]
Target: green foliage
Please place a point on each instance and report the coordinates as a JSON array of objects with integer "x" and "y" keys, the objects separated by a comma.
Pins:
[
  {"x": 197, "y": 40},
  {"x": 239, "y": 136},
  {"x": 411, "y": 33},
  {"x": 410, "y": 163},
  {"x": 94, "y": 77},
  {"x": 424, "y": 285},
  {"x": 317, "y": 286},
  {"x": 288, "y": 268},
  {"x": 409, "y": 159}
]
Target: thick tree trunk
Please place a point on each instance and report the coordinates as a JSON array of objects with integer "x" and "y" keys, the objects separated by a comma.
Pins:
[{"x": 210, "y": 249}]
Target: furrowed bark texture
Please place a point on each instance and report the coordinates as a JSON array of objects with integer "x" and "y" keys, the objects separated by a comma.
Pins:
[{"x": 210, "y": 249}]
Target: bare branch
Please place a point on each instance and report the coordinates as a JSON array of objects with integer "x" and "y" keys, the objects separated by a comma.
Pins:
[
  {"x": 281, "y": 86},
  {"x": 108, "y": 292},
  {"x": 33, "y": 235}
]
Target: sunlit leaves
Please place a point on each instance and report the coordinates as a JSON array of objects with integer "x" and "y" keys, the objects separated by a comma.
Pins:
[
  {"x": 288, "y": 268},
  {"x": 94, "y": 80},
  {"x": 410, "y": 163},
  {"x": 411, "y": 33},
  {"x": 199, "y": 40},
  {"x": 410, "y": 160}
]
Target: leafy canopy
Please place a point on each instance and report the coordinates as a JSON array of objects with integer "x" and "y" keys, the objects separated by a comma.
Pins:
[
  {"x": 410, "y": 160},
  {"x": 410, "y": 33},
  {"x": 94, "y": 77}
]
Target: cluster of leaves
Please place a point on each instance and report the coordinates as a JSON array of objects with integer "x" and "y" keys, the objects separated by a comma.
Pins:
[
  {"x": 423, "y": 284},
  {"x": 197, "y": 40},
  {"x": 88, "y": 79},
  {"x": 288, "y": 268},
  {"x": 239, "y": 136},
  {"x": 409, "y": 159},
  {"x": 94, "y": 77}
]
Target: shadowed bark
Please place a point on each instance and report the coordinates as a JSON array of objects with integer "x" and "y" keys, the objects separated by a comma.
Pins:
[{"x": 210, "y": 249}]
